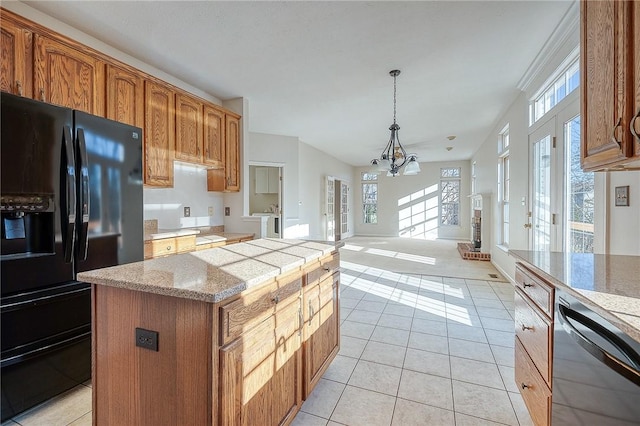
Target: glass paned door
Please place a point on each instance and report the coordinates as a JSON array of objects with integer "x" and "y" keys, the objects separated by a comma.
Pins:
[
  {"x": 330, "y": 209},
  {"x": 344, "y": 208}
]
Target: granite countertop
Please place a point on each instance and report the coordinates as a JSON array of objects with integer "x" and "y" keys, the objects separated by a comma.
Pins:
[
  {"x": 608, "y": 284},
  {"x": 214, "y": 274}
]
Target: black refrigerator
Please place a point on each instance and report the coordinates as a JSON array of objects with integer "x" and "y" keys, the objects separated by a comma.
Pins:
[{"x": 71, "y": 201}]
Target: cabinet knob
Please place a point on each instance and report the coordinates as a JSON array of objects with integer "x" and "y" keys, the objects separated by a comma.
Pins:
[
  {"x": 613, "y": 133},
  {"x": 326, "y": 268},
  {"x": 525, "y": 285},
  {"x": 632, "y": 125},
  {"x": 168, "y": 248},
  {"x": 525, "y": 328},
  {"x": 275, "y": 299},
  {"x": 19, "y": 87},
  {"x": 42, "y": 94},
  {"x": 523, "y": 386}
]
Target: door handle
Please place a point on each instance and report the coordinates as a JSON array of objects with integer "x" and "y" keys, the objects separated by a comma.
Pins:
[
  {"x": 69, "y": 191},
  {"x": 527, "y": 225},
  {"x": 83, "y": 177}
]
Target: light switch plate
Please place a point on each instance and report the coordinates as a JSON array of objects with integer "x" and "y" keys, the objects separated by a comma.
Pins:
[
  {"x": 210, "y": 211},
  {"x": 187, "y": 211}
]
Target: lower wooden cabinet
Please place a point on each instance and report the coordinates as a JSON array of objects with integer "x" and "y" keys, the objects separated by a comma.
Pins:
[
  {"x": 535, "y": 392},
  {"x": 166, "y": 246},
  {"x": 321, "y": 329},
  {"x": 260, "y": 372}
]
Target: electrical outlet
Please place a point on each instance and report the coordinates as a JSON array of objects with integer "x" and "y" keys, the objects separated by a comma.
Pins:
[
  {"x": 147, "y": 339},
  {"x": 227, "y": 211},
  {"x": 187, "y": 211},
  {"x": 210, "y": 211}
]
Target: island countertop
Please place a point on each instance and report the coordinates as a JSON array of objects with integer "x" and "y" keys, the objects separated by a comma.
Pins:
[
  {"x": 608, "y": 284},
  {"x": 214, "y": 274}
]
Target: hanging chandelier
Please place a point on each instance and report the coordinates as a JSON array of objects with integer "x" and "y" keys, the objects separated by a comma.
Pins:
[{"x": 394, "y": 156}]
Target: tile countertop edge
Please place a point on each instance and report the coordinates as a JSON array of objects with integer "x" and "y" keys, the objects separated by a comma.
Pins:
[
  {"x": 595, "y": 300},
  {"x": 128, "y": 276}
]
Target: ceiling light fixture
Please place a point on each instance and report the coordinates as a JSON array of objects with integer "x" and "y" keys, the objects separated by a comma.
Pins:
[{"x": 394, "y": 156}]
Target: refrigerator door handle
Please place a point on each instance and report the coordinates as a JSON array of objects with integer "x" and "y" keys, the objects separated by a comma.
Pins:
[
  {"x": 69, "y": 181},
  {"x": 83, "y": 172}
]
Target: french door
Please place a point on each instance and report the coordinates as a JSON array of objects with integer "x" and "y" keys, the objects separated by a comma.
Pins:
[
  {"x": 555, "y": 179},
  {"x": 330, "y": 202}
]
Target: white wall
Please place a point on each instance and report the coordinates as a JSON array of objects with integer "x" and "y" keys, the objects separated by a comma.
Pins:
[
  {"x": 412, "y": 201},
  {"x": 315, "y": 166},
  {"x": 622, "y": 234},
  {"x": 189, "y": 190}
]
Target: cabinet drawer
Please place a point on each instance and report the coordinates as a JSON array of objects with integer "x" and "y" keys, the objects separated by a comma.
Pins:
[
  {"x": 539, "y": 291},
  {"x": 534, "y": 391},
  {"x": 323, "y": 269},
  {"x": 244, "y": 313},
  {"x": 535, "y": 333},
  {"x": 186, "y": 243},
  {"x": 162, "y": 247}
]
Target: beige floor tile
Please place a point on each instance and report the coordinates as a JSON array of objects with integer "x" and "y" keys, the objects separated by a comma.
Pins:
[
  {"x": 340, "y": 369},
  {"x": 410, "y": 413},
  {"x": 509, "y": 378},
  {"x": 477, "y": 372},
  {"x": 348, "y": 303},
  {"x": 470, "y": 350},
  {"x": 429, "y": 342},
  {"x": 465, "y": 332},
  {"x": 486, "y": 403},
  {"x": 395, "y": 321},
  {"x": 398, "y": 308},
  {"x": 60, "y": 410},
  {"x": 356, "y": 329},
  {"x": 304, "y": 419},
  {"x": 501, "y": 338},
  {"x": 521, "y": 409},
  {"x": 503, "y": 355},
  {"x": 465, "y": 420},
  {"x": 392, "y": 336},
  {"x": 83, "y": 421},
  {"x": 488, "y": 303},
  {"x": 498, "y": 324},
  {"x": 323, "y": 399},
  {"x": 351, "y": 346},
  {"x": 437, "y": 328},
  {"x": 364, "y": 407},
  {"x": 383, "y": 353},
  {"x": 499, "y": 313},
  {"x": 427, "y": 362},
  {"x": 376, "y": 377},
  {"x": 366, "y": 305},
  {"x": 426, "y": 389},
  {"x": 364, "y": 316}
]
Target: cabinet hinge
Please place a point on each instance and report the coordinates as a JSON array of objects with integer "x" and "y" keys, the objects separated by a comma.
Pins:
[{"x": 554, "y": 141}]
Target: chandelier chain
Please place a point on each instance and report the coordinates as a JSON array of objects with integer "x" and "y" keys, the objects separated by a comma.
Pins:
[{"x": 394, "y": 99}]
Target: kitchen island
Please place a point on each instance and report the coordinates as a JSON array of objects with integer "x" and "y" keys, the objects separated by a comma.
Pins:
[{"x": 238, "y": 334}]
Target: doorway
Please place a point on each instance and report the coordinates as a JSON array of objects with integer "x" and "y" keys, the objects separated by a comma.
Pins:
[
  {"x": 337, "y": 209},
  {"x": 266, "y": 195}
]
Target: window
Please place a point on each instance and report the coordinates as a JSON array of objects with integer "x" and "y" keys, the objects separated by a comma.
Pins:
[
  {"x": 369, "y": 198},
  {"x": 503, "y": 185},
  {"x": 450, "y": 196},
  {"x": 557, "y": 90},
  {"x": 473, "y": 178}
]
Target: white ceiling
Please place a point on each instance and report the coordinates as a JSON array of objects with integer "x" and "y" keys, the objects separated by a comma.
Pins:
[{"x": 319, "y": 70}]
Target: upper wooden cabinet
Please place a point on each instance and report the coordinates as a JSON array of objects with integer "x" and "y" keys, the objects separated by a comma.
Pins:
[
  {"x": 125, "y": 96},
  {"x": 159, "y": 134},
  {"x": 607, "y": 85},
  {"x": 635, "y": 124},
  {"x": 214, "y": 137},
  {"x": 188, "y": 129},
  {"x": 68, "y": 77},
  {"x": 232, "y": 153},
  {"x": 16, "y": 59}
]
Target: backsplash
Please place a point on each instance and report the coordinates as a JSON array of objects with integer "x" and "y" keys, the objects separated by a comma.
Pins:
[{"x": 189, "y": 190}]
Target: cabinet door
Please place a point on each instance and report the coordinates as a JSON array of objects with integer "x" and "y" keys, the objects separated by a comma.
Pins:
[
  {"x": 188, "y": 129},
  {"x": 68, "y": 77},
  {"x": 16, "y": 59},
  {"x": 159, "y": 135},
  {"x": 214, "y": 137},
  {"x": 321, "y": 329},
  {"x": 260, "y": 372},
  {"x": 605, "y": 93},
  {"x": 262, "y": 180},
  {"x": 232, "y": 154},
  {"x": 635, "y": 124},
  {"x": 125, "y": 96}
]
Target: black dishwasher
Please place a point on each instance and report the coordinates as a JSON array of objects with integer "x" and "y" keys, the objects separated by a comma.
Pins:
[{"x": 596, "y": 369}]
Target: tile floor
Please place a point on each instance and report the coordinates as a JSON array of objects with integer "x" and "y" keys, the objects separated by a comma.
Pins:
[{"x": 415, "y": 350}]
